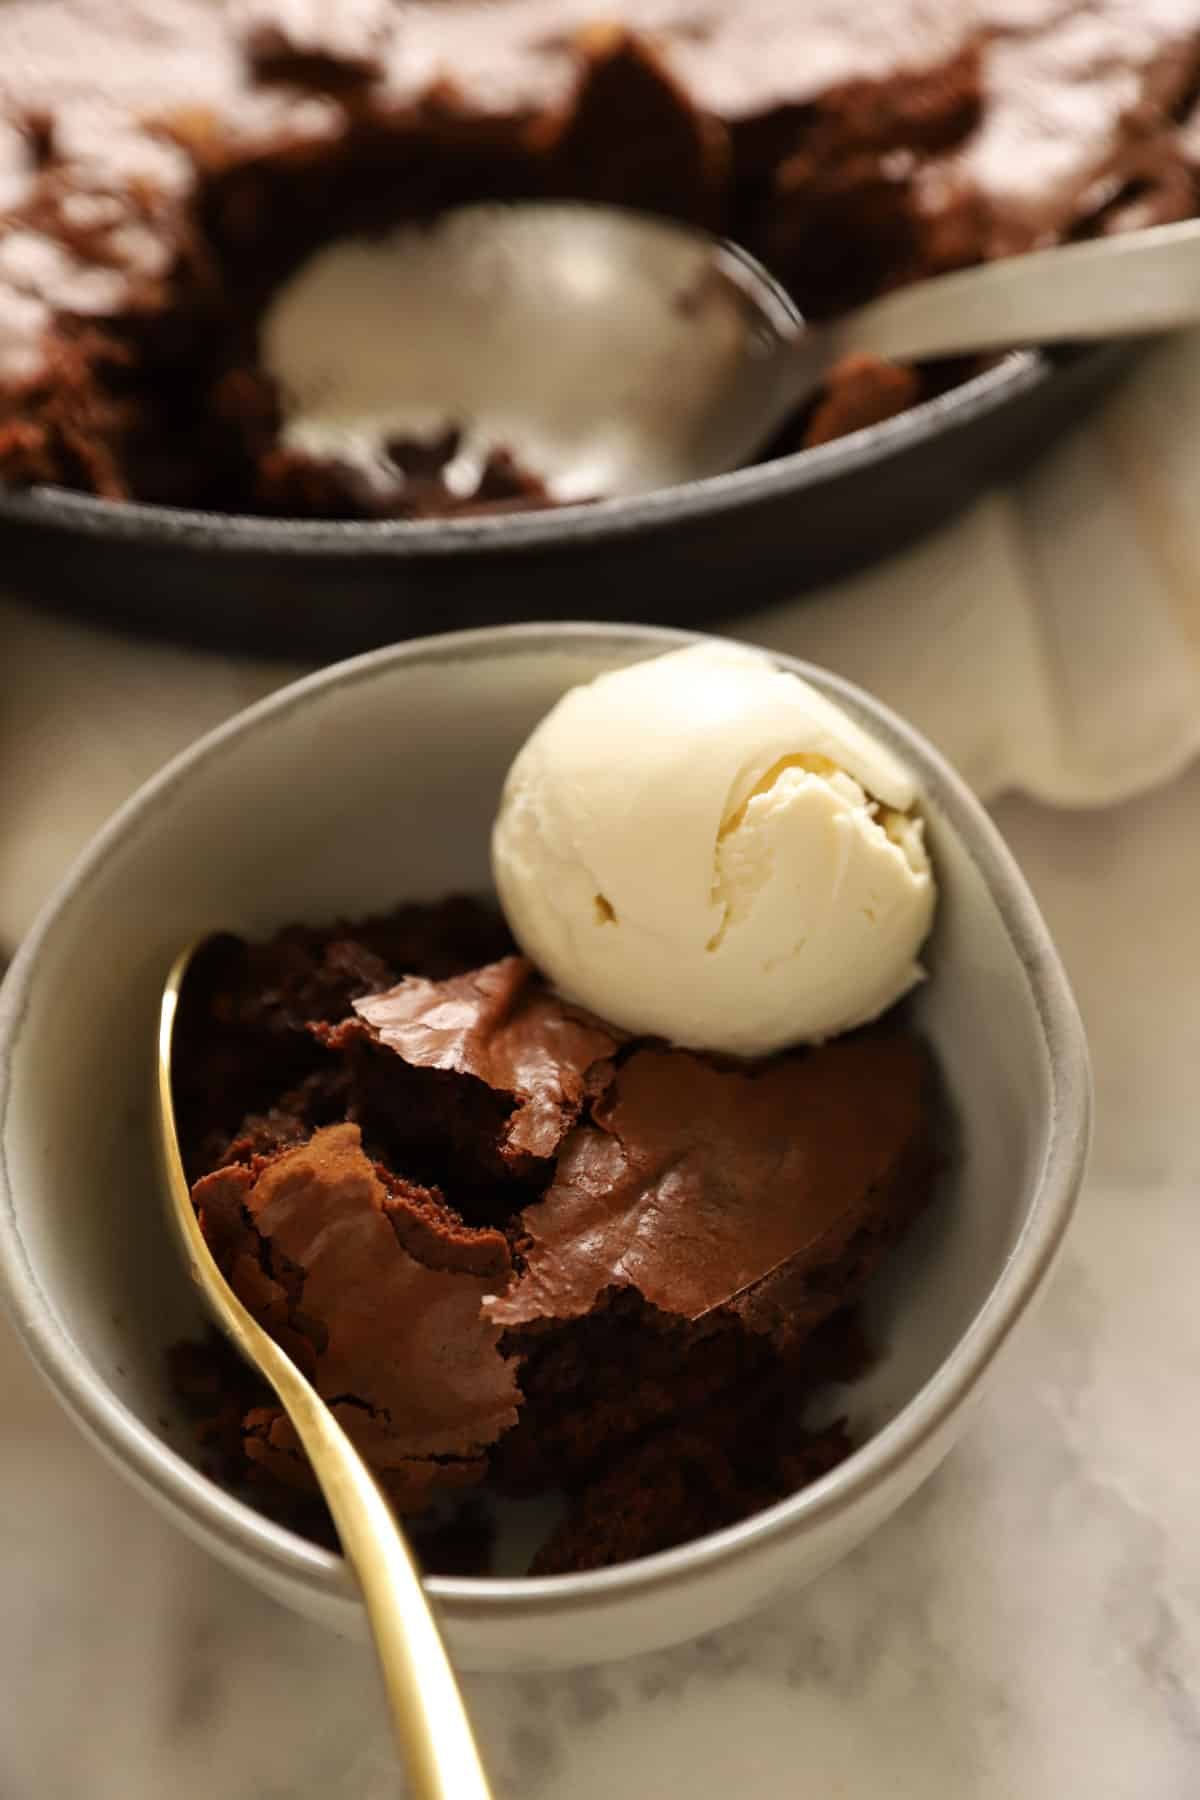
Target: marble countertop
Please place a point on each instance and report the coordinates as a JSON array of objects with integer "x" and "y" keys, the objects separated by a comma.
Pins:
[{"x": 1028, "y": 1626}]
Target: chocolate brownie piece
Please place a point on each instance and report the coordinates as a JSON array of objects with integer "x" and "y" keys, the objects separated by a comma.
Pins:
[
  {"x": 713, "y": 1192},
  {"x": 246, "y": 1047},
  {"x": 1081, "y": 100},
  {"x": 374, "y": 1288},
  {"x": 861, "y": 390},
  {"x": 699, "y": 1231},
  {"x": 489, "y": 1061},
  {"x": 709, "y": 1470},
  {"x": 637, "y": 1269}
]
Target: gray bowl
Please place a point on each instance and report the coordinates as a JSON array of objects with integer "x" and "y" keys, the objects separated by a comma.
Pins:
[{"x": 374, "y": 781}]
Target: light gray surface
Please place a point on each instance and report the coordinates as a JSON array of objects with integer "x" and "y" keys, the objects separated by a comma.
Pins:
[{"x": 1028, "y": 1625}]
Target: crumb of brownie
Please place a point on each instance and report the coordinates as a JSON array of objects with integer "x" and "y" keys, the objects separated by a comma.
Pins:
[{"x": 860, "y": 390}]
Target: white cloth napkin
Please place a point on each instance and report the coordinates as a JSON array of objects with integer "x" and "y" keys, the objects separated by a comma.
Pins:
[{"x": 1049, "y": 641}]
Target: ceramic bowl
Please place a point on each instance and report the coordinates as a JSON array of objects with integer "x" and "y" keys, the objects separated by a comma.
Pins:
[{"x": 377, "y": 780}]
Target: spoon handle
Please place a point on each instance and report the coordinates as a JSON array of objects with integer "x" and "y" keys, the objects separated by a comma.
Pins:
[
  {"x": 432, "y": 1728},
  {"x": 433, "y": 1731},
  {"x": 1143, "y": 281}
]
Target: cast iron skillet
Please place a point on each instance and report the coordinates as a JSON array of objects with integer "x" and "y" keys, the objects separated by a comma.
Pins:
[{"x": 719, "y": 547}]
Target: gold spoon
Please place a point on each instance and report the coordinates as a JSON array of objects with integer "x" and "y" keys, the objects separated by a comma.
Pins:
[{"x": 432, "y": 1728}]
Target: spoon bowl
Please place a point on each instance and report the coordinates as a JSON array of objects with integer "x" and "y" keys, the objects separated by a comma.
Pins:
[{"x": 595, "y": 344}]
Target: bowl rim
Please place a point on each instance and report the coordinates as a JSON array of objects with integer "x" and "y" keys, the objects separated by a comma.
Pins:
[
  {"x": 1015, "y": 374},
  {"x": 219, "y": 1518}
]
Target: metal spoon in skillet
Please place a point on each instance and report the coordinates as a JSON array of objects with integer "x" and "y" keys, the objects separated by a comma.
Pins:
[
  {"x": 615, "y": 353},
  {"x": 432, "y": 1728}
]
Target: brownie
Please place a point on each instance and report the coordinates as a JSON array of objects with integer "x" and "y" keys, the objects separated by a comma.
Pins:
[
  {"x": 488, "y": 1068},
  {"x": 707, "y": 1470},
  {"x": 513, "y": 1246},
  {"x": 165, "y": 165},
  {"x": 248, "y": 1068},
  {"x": 375, "y": 1290},
  {"x": 710, "y": 1190}
]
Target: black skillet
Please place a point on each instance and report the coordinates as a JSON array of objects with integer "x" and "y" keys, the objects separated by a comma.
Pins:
[{"x": 685, "y": 555}]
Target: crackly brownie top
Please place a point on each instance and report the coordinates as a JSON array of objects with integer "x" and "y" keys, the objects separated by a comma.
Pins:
[
  {"x": 373, "y": 1286},
  {"x": 692, "y": 1183},
  {"x": 113, "y": 112},
  {"x": 687, "y": 1180},
  {"x": 249, "y": 59},
  {"x": 1081, "y": 99},
  {"x": 116, "y": 89},
  {"x": 502, "y": 1026}
]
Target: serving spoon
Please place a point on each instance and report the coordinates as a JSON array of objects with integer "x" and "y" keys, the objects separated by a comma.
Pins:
[
  {"x": 618, "y": 353},
  {"x": 432, "y": 1728}
]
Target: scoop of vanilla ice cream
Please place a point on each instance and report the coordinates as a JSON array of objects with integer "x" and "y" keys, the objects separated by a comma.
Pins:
[{"x": 704, "y": 848}]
